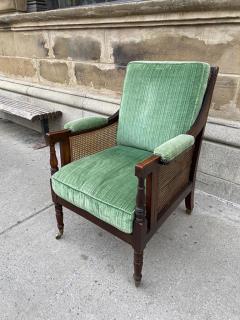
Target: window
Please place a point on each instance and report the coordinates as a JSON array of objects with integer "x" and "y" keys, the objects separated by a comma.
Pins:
[
  {"x": 55, "y": 4},
  {"x": 70, "y": 3},
  {"x": 42, "y": 5}
]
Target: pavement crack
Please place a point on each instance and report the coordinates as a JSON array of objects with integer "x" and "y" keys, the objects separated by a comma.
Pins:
[{"x": 26, "y": 219}]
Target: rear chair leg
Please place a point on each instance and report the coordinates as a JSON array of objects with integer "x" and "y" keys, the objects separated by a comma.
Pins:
[
  {"x": 189, "y": 202},
  {"x": 138, "y": 264},
  {"x": 59, "y": 217}
]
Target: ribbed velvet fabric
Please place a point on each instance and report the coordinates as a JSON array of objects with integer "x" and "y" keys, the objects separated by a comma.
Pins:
[
  {"x": 85, "y": 123},
  {"x": 160, "y": 101},
  {"x": 103, "y": 184},
  {"x": 172, "y": 148}
]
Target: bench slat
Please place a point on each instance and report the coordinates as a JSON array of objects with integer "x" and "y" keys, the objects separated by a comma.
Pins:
[
  {"x": 17, "y": 104},
  {"x": 19, "y": 113},
  {"x": 27, "y": 110}
]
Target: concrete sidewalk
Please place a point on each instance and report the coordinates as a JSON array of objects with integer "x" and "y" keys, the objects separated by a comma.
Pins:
[{"x": 191, "y": 268}]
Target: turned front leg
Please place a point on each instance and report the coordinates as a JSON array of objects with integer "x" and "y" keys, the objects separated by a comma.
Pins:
[
  {"x": 139, "y": 231},
  {"x": 138, "y": 264},
  {"x": 58, "y": 207}
]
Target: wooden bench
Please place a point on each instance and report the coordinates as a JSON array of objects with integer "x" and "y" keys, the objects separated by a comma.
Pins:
[{"x": 29, "y": 111}]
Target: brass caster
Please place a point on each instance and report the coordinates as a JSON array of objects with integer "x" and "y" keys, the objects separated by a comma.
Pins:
[
  {"x": 188, "y": 211},
  {"x": 59, "y": 234}
]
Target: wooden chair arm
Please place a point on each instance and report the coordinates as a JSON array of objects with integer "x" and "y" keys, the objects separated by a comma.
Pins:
[
  {"x": 110, "y": 120},
  {"x": 163, "y": 181},
  {"x": 63, "y": 138},
  {"x": 147, "y": 166},
  {"x": 58, "y": 136}
]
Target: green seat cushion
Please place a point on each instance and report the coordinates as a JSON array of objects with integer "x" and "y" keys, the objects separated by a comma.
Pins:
[
  {"x": 104, "y": 184},
  {"x": 160, "y": 101}
]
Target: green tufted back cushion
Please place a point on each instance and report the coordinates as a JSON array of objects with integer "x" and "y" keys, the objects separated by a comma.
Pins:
[{"x": 160, "y": 100}]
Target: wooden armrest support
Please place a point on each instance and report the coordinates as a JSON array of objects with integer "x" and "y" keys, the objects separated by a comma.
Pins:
[
  {"x": 145, "y": 167},
  {"x": 52, "y": 138},
  {"x": 57, "y": 136}
]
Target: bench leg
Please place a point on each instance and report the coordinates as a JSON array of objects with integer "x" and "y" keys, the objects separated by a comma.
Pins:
[
  {"x": 44, "y": 126},
  {"x": 45, "y": 130}
]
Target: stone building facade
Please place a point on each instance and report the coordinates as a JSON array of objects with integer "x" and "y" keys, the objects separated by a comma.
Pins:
[{"x": 75, "y": 59}]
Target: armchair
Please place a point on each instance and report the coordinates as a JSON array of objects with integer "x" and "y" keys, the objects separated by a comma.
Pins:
[{"x": 127, "y": 173}]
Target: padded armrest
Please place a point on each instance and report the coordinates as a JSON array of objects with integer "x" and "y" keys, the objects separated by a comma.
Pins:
[
  {"x": 170, "y": 149},
  {"x": 85, "y": 124}
]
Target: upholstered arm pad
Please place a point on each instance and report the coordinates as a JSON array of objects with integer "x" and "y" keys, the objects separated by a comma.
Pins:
[
  {"x": 170, "y": 149},
  {"x": 85, "y": 124}
]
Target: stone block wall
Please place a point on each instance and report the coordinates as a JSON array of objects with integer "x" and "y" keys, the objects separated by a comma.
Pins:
[
  {"x": 92, "y": 56},
  {"x": 85, "y": 51}
]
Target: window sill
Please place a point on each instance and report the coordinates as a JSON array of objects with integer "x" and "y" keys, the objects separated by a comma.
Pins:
[{"x": 163, "y": 12}]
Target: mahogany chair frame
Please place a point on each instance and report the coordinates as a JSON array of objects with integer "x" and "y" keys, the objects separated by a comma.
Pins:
[{"x": 161, "y": 186}]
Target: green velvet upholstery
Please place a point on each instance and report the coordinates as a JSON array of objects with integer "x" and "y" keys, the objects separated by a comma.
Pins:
[
  {"x": 85, "y": 123},
  {"x": 103, "y": 184},
  {"x": 160, "y": 101},
  {"x": 172, "y": 148}
]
